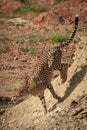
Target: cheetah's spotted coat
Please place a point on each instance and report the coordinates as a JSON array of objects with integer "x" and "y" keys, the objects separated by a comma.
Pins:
[{"x": 42, "y": 74}]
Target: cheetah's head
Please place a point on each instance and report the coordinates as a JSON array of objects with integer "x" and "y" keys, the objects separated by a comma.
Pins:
[{"x": 18, "y": 93}]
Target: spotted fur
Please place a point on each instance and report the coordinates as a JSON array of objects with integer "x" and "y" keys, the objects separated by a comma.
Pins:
[{"x": 41, "y": 76}]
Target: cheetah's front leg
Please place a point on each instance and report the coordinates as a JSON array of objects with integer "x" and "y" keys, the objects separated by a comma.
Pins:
[{"x": 42, "y": 98}]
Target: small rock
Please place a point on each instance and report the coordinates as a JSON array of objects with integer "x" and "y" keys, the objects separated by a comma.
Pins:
[
  {"x": 2, "y": 111},
  {"x": 23, "y": 60},
  {"x": 15, "y": 58},
  {"x": 55, "y": 129}
]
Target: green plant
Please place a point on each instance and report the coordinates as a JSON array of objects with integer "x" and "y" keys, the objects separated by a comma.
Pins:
[
  {"x": 24, "y": 9},
  {"x": 37, "y": 8},
  {"x": 57, "y": 1},
  {"x": 4, "y": 107},
  {"x": 4, "y": 50},
  {"x": 59, "y": 38},
  {"x": 19, "y": 25},
  {"x": 21, "y": 10},
  {"x": 8, "y": 89},
  {"x": 6, "y": 16},
  {"x": 26, "y": 49},
  {"x": 29, "y": 5},
  {"x": 30, "y": 50},
  {"x": 2, "y": 39},
  {"x": 23, "y": 1}
]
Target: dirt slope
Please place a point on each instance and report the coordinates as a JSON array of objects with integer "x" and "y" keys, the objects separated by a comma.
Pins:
[
  {"x": 71, "y": 113},
  {"x": 64, "y": 12},
  {"x": 29, "y": 115},
  {"x": 7, "y": 6}
]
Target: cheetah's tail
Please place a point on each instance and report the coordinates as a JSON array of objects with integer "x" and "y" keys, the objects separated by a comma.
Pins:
[{"x": 73, "y": 33}]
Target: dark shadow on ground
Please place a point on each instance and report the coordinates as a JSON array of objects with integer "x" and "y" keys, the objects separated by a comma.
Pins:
[{"x": 75, "y": 81}]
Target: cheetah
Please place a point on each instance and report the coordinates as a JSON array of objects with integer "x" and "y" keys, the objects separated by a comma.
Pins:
[{"x": 41, "y": 76}]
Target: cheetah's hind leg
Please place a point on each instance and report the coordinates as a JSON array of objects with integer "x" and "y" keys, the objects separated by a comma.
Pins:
[
  {"x": 50, "y": 87},
  {"x": 55, "y": 96}
]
